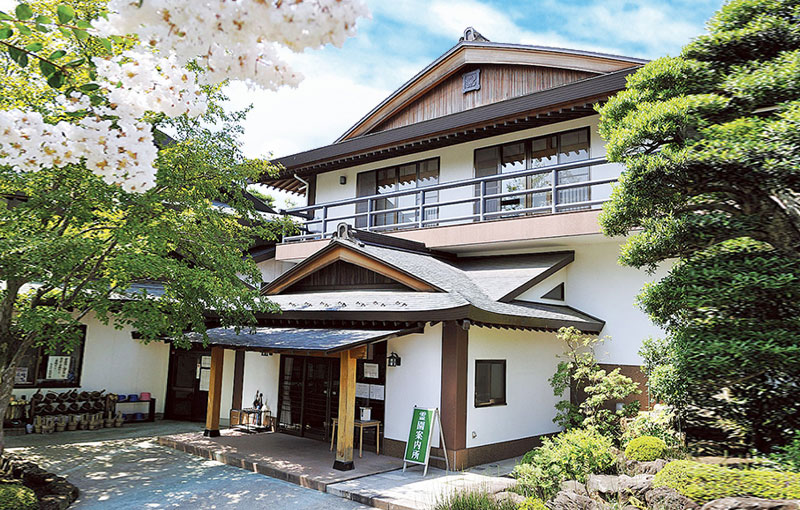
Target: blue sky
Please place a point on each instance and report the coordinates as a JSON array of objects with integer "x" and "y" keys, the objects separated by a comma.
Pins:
[{"x": 403, "y": 36}]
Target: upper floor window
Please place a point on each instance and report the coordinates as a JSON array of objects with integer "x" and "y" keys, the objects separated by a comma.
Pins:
[
  {"x": 538, "y": 152},
  {"x": 404, "y": 209}
]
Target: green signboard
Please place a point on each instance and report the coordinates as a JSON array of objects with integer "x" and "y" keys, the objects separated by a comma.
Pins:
[{"x": 419, "y": 437}]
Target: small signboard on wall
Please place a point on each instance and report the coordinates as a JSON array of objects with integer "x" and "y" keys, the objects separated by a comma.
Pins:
[
  {"x": 362, "y": 390},
  {"x": 58, "y": 368},
  {"x": 371, "y": 370},
  {"x": 418, "y": 447},
  {"x": 21, "y": 377}
]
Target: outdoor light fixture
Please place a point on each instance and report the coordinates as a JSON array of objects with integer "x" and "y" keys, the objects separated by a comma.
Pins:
[
  {"x": 342, "y": 179},
  {"x": 393, "y": 360}
]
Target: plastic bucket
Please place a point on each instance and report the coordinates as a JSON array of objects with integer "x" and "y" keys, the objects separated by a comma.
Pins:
[{"x": 144, "y": 396}]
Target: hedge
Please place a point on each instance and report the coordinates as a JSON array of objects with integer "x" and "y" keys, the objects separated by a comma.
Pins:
[
  {"x": 15, "y": 496},
  {"x": 703, "y": 482},
  {"x": 646, "y": 449}
]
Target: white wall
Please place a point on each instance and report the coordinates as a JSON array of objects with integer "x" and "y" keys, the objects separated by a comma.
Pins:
[
  {"x": 226, "y": 396},
  {"x": 261, "y": 373},
  {"x": 115, "y": 362},
  {"x": 271, "y": 269},
  {"x": 531, "y": 358},
  {"x": 416, "y": 382},
  {"x": 598, "y": 285}
]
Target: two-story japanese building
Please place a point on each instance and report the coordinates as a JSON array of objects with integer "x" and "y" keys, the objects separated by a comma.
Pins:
[{"x": 457, "y": 221}]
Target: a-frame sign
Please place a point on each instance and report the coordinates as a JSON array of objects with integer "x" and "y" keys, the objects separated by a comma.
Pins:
[{"x": 418, "y": 447}]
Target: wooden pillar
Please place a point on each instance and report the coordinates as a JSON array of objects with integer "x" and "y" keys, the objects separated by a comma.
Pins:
[
  {"x": 238, "y": 380},
  {"x": 455, "y": 341},
  {"x": 214, "y": 392},
  {"x": 347, "y": 411}
]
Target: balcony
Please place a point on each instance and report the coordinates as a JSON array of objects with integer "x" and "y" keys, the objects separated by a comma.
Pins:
[{"x": 566, "y": 187}]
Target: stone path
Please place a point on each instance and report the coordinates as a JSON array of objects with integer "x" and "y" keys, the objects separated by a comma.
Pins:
[{"x": 138, "y": 474}]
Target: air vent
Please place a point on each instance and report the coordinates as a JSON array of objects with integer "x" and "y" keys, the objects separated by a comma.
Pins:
[{"x": 556, "y": 293}]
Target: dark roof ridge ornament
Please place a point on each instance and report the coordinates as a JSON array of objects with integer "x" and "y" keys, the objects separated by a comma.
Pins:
[{"x": 470, "y": 35}]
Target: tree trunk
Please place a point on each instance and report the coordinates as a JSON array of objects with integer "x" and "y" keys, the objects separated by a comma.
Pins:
[{"x": 6, "y": 387}]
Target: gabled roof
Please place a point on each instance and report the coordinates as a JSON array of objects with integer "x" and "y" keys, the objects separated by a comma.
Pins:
[
  {"x": 485, "y": 52},
  {"x": 458, "y": 293}
]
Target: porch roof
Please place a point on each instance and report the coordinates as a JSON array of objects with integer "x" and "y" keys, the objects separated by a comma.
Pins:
[{"x": 322, "y": 341}]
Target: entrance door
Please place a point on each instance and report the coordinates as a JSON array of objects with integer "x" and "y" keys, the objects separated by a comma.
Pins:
[
  {"x": 185, "y": 399},
  {"x": 309, "y": 395}
]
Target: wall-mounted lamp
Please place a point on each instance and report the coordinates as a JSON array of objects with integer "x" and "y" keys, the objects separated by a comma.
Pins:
[
  {"x": 393, "y": 360},
  {"x": 342, "y": 179}
]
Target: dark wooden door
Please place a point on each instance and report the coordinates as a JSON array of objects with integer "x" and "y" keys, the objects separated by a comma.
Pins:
[
  {"x": 185, "y": 399},
  {"x": 309, "y": 395}
]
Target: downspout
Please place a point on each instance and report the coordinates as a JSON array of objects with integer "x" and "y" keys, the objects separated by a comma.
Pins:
[{"x": 305, "y": 182}]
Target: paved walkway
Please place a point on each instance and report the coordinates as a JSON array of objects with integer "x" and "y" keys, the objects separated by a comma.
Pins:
[
  {"x": 136, "y": 473},
  {"x": 377, "y": 480},
  {"x": 303, "y": 461}
]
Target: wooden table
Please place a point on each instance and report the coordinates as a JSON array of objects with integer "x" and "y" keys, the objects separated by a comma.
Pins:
[
  {"x": 361, "y": 425},
  {"x": 251, "y": 417}
]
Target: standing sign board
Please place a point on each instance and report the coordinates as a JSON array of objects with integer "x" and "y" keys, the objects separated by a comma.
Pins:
[{"x": 418, "y": 447}]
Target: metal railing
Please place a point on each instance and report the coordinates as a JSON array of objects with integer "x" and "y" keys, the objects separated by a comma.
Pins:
[{"x": 381, "y": 213}]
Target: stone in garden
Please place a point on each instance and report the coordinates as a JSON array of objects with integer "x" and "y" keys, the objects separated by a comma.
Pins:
[
  {"x": 604, "y": 485},
  {"x": 748, "y": 503},
  {"x": 634, "y": 467},
  {"x": 574, "y": 486},
  {"x": 511, "y": 497},
  {"x": 635, "y": 486},
  {"x": 664, "y": 498},
  {"x": 570, "y": 500},
  {"x": 652, "y": 467}
]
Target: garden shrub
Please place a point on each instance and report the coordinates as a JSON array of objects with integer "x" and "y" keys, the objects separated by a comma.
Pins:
[
  {"x": 703, "y": 482},
  {"x": 788, "y": 456},
  {"x": 658, "y": 422},
  {"x": 646, "y": 448},
  {"x": 532, "y": 504},
  {"x": 472, "y": 500},
  {"x": 571, "y": 455},
  {"x": 15, "y": 496}
]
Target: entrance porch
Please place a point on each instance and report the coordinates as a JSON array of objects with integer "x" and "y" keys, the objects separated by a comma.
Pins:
[{"x": 302, "y": 461}]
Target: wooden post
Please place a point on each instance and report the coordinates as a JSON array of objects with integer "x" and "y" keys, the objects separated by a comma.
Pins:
[
  {"x": 453, "y": 418},
  {"x": 347, "y": 411},
  {"x": 214, "y": 392}
]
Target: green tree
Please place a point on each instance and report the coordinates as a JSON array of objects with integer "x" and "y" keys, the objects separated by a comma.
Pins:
[
  {"x": 592, "y": 391},
  {"x": 711, "y": 144},
  {"x": 72, "y": 246}
]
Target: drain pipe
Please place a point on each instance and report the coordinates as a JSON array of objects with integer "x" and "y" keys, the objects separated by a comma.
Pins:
[{"x": 305, "y": 183}]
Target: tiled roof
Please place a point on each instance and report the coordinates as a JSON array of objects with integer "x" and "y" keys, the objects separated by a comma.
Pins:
[
  {"x": 326, "y": 341},
  {"x": 471, "y": 289}
]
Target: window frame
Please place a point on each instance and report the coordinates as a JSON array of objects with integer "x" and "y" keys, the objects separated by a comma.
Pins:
[
  {"x": 430, "y": 213},
  {"x": 528, "y": 142},
  {"x": 78, "y": 353},
  {"x": 502, "y": 401}
]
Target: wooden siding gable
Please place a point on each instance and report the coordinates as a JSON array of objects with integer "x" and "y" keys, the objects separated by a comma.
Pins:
[
  {"x": 466, "y": 56},
  {"x": 318, "y": 269},
  {"x": 498, "y": 82}
]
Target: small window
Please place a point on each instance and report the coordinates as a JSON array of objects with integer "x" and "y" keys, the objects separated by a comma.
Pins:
[
  {"x": 490, "y": 383},
  {"x": 43, "y": 368}
]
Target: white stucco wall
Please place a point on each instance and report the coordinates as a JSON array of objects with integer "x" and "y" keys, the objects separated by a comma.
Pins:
[
  {"x": 531, "y": 358},
  {"x": 597, "y": 284},
  {"x": 261, "y": 373},
  {"x": 115, "y": 362},
  {"x": 416, "y": 382},
  {"x": 271, "y": 269}
]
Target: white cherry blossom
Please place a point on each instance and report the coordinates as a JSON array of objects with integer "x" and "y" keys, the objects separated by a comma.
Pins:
[{"x": 234, "y": 40}]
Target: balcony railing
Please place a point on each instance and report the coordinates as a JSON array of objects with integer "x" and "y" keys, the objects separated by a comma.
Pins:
[{"x": 552, "y": 189}]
